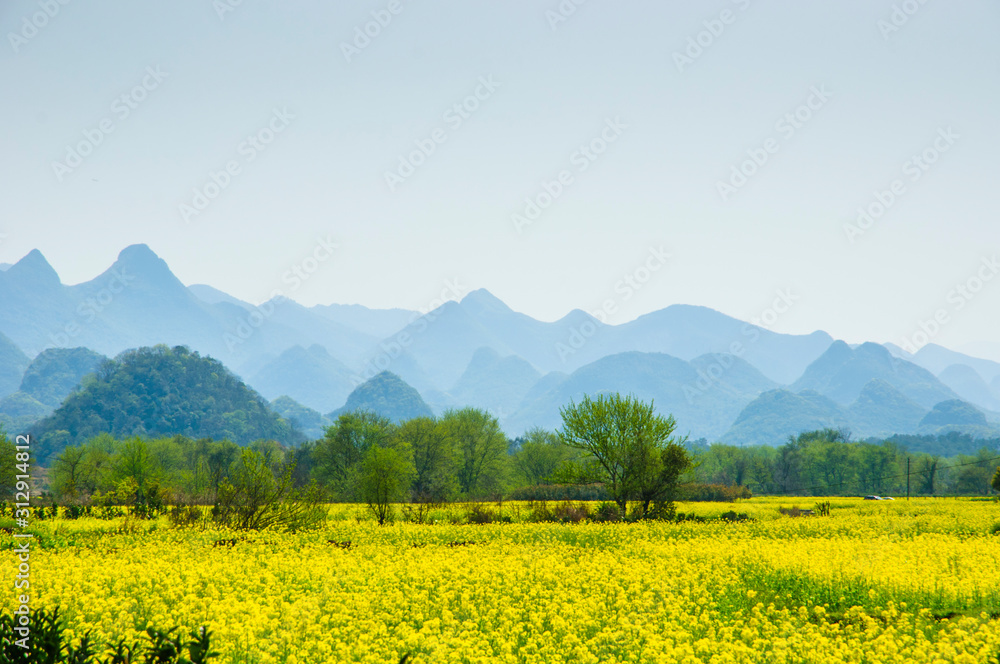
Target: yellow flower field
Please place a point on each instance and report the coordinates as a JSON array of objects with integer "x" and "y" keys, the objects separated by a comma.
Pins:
[{"x": 872, "y": 582}]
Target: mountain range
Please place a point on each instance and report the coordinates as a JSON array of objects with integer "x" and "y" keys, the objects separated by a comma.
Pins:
[{"x": 721, "y": 378}]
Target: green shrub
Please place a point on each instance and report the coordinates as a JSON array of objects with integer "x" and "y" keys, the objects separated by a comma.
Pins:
[
  {"x": 607, "y": 511},
  {"x": 480, "y": 514},
  {"x": 46, "y": 644},
  {"x": 184, "y": 516}
]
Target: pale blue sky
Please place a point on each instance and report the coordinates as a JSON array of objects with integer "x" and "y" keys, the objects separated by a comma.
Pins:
[{"x": 656, "y": 184}]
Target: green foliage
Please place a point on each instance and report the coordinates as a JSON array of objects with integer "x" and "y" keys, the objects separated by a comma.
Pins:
[
  {"x": 385, "y": 477},
  {"x": 258, "y": 495},
  {"x": 540, "y": 456},
  {"x": 48, "y": 645},
  {"x": 159, "y": 391},
  {"x": 338, "y": 455},
  {"x": 576, "y": 492},
  {"x": 995, "y": 482},
  {"x": 718, "y": 493},
  {"x": 8, "y": 461},
  {"x": 482, "y": 449},
  {"x": 435, "y": 460},
  {"x": 629, "y": 447},
  {"x": 162, "y": 469},
  {"x": 828, "y": 462}
]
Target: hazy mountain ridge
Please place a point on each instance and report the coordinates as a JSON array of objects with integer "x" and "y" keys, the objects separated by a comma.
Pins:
[
  {"x": 51, "y": 377},
  {"x": 311, "y": 376},
  {"x": 713, "y": 372},
  {"x": 13, "y": 363},
  {"x": 139, "y": 302}
]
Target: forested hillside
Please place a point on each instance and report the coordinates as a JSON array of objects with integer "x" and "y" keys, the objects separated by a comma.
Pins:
[{"x": 162, "y": 391}]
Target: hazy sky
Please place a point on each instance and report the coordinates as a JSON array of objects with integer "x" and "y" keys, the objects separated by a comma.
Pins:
[{"x": 831, "y": 103}]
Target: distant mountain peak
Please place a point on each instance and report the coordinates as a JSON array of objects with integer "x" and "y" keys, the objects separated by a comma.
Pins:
[
  {"x": 140, "y": 252},
  {"x": 481, "y": 299},
  {"x": 141, "y": 257},
  {"x": 578, "y": 317},
  {"x": 387, "y": 395},
  {"x": 141, "y": 261},
  {"x": 34, "y": 267}
]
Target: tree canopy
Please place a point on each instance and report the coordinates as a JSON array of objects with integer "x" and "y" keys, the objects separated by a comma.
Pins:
[{"x": 629, "y": 447}]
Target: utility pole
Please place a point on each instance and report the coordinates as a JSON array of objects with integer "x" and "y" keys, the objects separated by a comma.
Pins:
[{"x": 907, "y": 478}]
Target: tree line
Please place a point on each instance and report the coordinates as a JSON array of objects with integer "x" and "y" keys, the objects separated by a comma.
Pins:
[
  {"x": 828, "y": 462},
  {"x": 618, "y": 444}
]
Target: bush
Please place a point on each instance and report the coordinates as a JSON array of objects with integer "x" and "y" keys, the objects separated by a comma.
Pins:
[
  {"x": 255, "y": 498},
  {"x": 995, "y": 530},
  {"x": 76, "y": 511},
  {"x": 607, "y": 512},
  {"x": 569, "y": 513},
  {"x": 480, "y": 514},
  {"x": 564, "y": 512},
  {"x": 183, "y": 516}
]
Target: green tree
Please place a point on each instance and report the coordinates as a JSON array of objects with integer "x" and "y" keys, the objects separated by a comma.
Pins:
[
  {"x": 386, "y": 473},
  {"x": 928, "y": 475},
  {"x": 996, "y": 480},
  {"x": 434, "y": 458},
  {"x": 338, "y": 454},
  {"x": 67, "y": 473},
  {"x": 629, "y": 447},
  {"x": 482, "y": 446},
  {"x": 540, "y": 456},
  {"x": 135, "y": 462}
]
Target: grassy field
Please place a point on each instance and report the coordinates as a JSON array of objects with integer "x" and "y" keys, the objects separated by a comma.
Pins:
[{"x": 915, "y": 581}]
